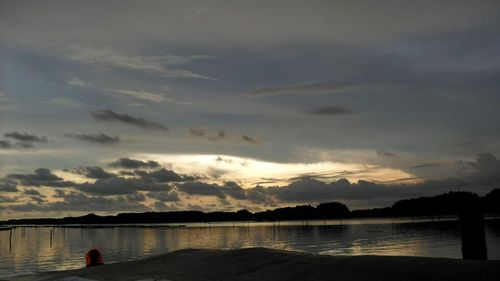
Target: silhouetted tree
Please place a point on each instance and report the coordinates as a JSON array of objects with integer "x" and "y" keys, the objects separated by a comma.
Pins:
[{"x": 332, "y": 210}]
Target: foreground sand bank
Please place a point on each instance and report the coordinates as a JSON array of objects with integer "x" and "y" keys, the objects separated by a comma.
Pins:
[{"x": 265, "y": 264}]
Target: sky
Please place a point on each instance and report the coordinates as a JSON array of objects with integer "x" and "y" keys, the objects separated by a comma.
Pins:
[{"x": 131, "y": 106}]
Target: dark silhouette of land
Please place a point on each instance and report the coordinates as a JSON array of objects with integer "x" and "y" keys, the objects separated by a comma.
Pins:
[{"x": 451, "y": 203}]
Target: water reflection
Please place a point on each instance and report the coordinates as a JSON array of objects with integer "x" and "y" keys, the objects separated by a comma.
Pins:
[{"x": 32, "y": 249}]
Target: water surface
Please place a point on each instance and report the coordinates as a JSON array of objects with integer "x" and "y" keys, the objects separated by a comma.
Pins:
[{"x": 32, "y": 249}]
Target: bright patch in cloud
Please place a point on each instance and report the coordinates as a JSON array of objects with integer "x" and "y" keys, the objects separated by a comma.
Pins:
[
  {"x": 250, "y": 172},
  {"x": 143, "y": 95}
]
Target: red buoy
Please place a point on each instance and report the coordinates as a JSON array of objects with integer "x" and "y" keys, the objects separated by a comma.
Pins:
[{"x": 93, "y": 257}]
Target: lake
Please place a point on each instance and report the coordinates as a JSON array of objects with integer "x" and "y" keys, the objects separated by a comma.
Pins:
[{"x": 34, "y": 249}]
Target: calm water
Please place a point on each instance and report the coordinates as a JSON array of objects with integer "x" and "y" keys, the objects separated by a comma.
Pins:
[{"x": 32, "y": 249}]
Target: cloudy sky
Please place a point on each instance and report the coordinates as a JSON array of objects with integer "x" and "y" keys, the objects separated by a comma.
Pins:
[{"x": 113, "y": 106}]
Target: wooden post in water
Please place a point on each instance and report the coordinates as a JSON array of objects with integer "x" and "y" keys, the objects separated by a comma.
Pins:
[
  {"x": 472, "y": 231},
  {"x": 10, "y": 241}
]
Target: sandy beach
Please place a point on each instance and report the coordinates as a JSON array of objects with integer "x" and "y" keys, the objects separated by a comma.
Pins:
[{"x": 267, "y": 264}]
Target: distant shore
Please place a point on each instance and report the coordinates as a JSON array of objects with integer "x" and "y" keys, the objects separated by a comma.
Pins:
[
  {"x": 266, "y": 264},
  {"x": 447, "y": 204}
]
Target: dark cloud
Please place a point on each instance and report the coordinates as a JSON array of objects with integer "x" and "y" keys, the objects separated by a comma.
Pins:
[
  {"x": 76, "y": 201},
  {"x": 33, "y": 192},
  {"x": 8, "y": 186},
  {"x": 329, "y": 111},
  {"x": 249, "y": 139},
  {"x": 25, "y": 145},
  {"x": 311, "y": 190},
  {"x": 111, "y": 116},
  {"x": 5, "y": 144},
  {"x": 25, "y": 137},
  {"x": 5, "y": 199},
  {"x": 97, "y": 138},
  {"x": 201, "y": 188},
  {"x": 258, "y": 195},
  {"x": 120, "y": 186},
  {"x": 197, "y": 132},
  {"x": 426, "y": 165},
  {"x": 307, "y": 88},
  {"x": 127, "y": 163},
  {"x": 94, "y": 172},
  {"x": 159, "y": 205},
  {"x": 41, "y": 177},
  {"x": 59, "y": 193},
  {"x": 234, "y": 190},
  {"x": 162, "y": 175},
  {"x": 202, "y": 133},
  {"x": 485, "y": 170},
  {"x": 137, "y": 197},
  {"x": 170, "y": 196},
  {"x": 386, "y": 153}
]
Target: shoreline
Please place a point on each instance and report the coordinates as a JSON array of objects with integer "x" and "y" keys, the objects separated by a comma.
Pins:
[{"x": 267, "y": 264}]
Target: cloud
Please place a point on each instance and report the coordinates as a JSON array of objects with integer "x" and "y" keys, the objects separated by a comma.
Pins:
[
  {"x": 162, "y": 175},
  {"x": 201, "y": 188},
  {"x": 95, "y": 138},
  {"x": 170, "y": 196},
  {"x": 111, "y": 116},
  {"x": 168, "y": 186},
  {"x": 234, "y": 190},
  {"x": 75, "y": 82},
  {"x": 94, "y": 172},
  {"x": 8, "y": 186},
  {"x": 142, "y": 95},
  {"x": 485, "y": 175},
  {"x": 329, "y": 111},
  {"x": 228, "y": 189},
  {"x": 5, "y": 144},
  {"x": 5, "y": 199},
  {"x": 25, "y": 137},
  {"x": 307, "y": 88},
  {"x": 33, "y": 193},
  {"x": 120, "y": 186},
  {"x": 485, "y": 170},
  {"x": 249, "y": 139},
  {"x": 166, "y": 65},
  {"x": 128, "y": 163},
  {"x": 197, "y": 132},
  {"x": 386, "y": 153},
  {"x": 137, "y": 197},
  {"x": 25, "y": 145},
  {"x": 426, "y": 165},
  {"x": 311, "y": 190},
  {"x": 202, "y": 133},
  {"x": 220, "y": 135},
  {"x": 41, "y": 177},
  {"x": 77, "y": 201}
]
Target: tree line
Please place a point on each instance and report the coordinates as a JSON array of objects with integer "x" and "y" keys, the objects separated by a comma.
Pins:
[{"x": 451, "y": 203}]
